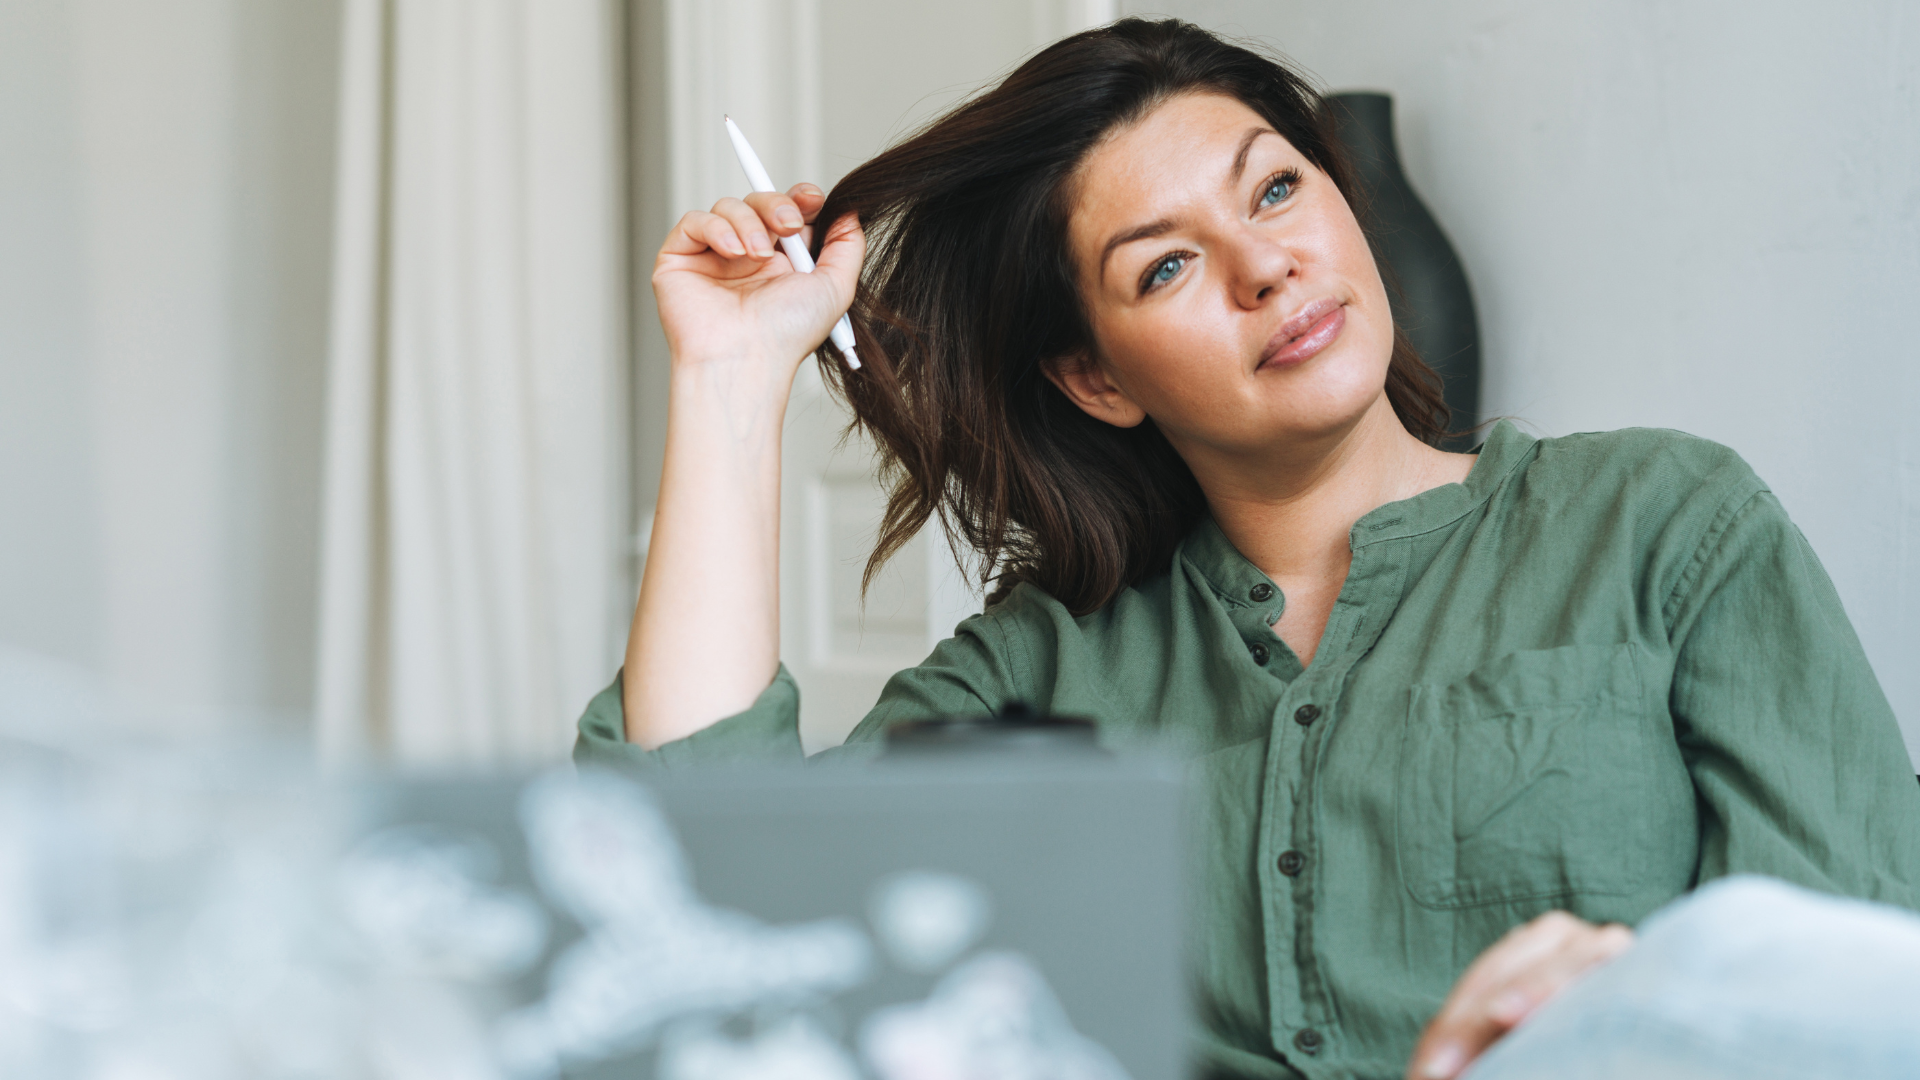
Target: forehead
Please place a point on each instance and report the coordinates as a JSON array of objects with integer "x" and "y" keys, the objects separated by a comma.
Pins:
[
  {"x": 1184, "y": 147},
  {"x": 1181, "y": 125}
]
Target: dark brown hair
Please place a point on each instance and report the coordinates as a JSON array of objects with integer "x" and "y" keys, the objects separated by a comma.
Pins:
[{"x": 969, "y": 287}]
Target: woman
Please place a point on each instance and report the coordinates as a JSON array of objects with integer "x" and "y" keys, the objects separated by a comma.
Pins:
[{"x": 1124, "y": 335}]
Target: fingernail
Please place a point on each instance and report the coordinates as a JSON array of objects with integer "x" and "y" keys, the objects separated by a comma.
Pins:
[
  {"x": 732, "y": 247},
  {"x": 1443, "y": 1063},
  {"x": 789, "y": 217}
]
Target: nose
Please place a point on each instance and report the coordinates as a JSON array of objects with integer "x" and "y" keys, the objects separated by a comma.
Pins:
[{"x": 1260, "y": 264}]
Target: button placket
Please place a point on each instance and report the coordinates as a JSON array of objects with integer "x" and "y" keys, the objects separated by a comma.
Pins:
[
  {"x": 1298, "y": 994},
  {"x": 1291, "y": 869},
  {"x": 1281, "y": 893},
  {"x": 1288, "y": 888}
]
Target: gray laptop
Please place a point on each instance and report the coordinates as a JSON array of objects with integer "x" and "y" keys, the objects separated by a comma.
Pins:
[{"x": 978, "y": 919}]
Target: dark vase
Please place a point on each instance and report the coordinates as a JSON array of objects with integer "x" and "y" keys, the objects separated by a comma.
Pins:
[{"x": 1432, "y": 301}]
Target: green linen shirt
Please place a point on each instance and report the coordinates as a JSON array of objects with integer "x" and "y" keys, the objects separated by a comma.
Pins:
[{"x": 1603, "y": 669}]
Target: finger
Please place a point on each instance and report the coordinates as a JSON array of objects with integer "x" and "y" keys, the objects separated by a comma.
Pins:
[
  {"x": 777, "y": 212},
  {"x": 840, "y": 257},
  {"x": 747, "y": 225},
  {"x": 808, "y": 198},
  {"x": 698, "y": 231},
  {"x": 1518, "y": 949},
  {"x": 1533, "y": 988},
  {"x": 1462, "y": 1033}
]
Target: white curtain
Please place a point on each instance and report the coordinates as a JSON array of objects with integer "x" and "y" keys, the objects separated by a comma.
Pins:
[{"x": 474, "y": 585}]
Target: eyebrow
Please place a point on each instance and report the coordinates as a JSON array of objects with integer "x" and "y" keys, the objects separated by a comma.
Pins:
[
  {"x": 1139, "y": 232},
  {"x": 1167, "y": 225},
  {"x": 1246, "y": 147}
]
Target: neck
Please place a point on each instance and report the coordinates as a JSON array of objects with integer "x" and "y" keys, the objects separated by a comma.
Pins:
[{"x": 1290, "y": 511}]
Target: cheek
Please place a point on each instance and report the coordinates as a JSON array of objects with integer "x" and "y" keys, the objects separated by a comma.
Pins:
[
  {"x": 1364, "y": 272},
  {"x": 1168, "y": 352},
  {"x": 1339, "y": 257},
  {"x": 1351, "y": 258}
]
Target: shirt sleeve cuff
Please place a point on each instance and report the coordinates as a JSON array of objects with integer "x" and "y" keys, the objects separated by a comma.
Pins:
[{"x": 767, "y": 731}]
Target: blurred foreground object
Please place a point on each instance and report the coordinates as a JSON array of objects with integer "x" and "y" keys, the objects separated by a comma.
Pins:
[
  {"x": 1748, "y": 978},
  {"x": 213, "y": 916}
]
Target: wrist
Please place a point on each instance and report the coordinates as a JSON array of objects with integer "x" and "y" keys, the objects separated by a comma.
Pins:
[
  {"x": 762, "y": 351},
  {"x": 737, "y": 377},
  {"x": 727, "y": 409}
]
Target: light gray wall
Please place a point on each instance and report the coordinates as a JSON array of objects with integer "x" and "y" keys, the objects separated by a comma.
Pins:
[
  {"x": 1702, "y": 216},
  {"x": 165, "y": 185},
  {"x": 886, "y": 67}
]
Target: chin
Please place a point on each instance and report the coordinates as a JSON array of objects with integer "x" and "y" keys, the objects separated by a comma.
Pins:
[{"x": 1343, "y": 383}]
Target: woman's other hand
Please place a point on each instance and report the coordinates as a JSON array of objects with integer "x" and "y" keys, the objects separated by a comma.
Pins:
[
  {"x": 728, "y": 293},
  {"x": 1506, "y": 983}
]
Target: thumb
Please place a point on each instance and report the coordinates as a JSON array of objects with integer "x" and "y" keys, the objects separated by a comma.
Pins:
[{"x": 840, "y": 256}]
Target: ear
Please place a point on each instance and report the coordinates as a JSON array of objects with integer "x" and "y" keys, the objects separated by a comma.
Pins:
[{"x": 1080, "y": 377}]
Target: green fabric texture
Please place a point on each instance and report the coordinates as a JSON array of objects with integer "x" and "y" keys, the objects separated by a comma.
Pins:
[{"x": 1603, "y": 670}]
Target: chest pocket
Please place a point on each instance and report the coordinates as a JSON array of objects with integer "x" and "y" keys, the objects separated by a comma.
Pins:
[{"x": 1544, "y": 773}]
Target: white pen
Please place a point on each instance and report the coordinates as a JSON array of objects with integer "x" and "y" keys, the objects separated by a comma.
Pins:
[{"x": 842, "y": 335}]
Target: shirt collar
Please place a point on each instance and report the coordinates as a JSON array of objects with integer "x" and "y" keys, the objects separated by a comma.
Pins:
[{"x": 1208, "y": 551}]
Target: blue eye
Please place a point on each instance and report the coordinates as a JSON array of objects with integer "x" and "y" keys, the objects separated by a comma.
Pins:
[
  {"x": 1277, "y": 191},
  {"x": 1162, "y": 272}
]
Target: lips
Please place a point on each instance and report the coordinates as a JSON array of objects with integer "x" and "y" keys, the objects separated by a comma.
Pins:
[{"x": 1303, "y": 336}]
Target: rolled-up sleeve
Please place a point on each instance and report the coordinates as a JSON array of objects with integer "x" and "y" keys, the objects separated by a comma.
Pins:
[
  {"x": 1797, "y": 762},
  {"x": 966, "y": 675},
  {"x": 766, "y": 731}
]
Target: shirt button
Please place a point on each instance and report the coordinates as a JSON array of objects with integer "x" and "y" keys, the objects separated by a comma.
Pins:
[
  {"x": 1308, "y": 1040},
  {"x": 1292, "y": 862},
  {"x": 1259, "y": 652},
  {"x": 1261, "y": 593},
  {"x": 1306, "y": 714}
]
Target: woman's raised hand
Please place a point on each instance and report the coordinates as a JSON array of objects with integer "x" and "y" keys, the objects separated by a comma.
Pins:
[
  {"x": 728, "y": 294},
  {"x": 739, "y": 321}
]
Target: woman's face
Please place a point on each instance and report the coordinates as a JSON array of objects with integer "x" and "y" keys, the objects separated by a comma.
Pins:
[{"x": 1232, "y": 295}]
